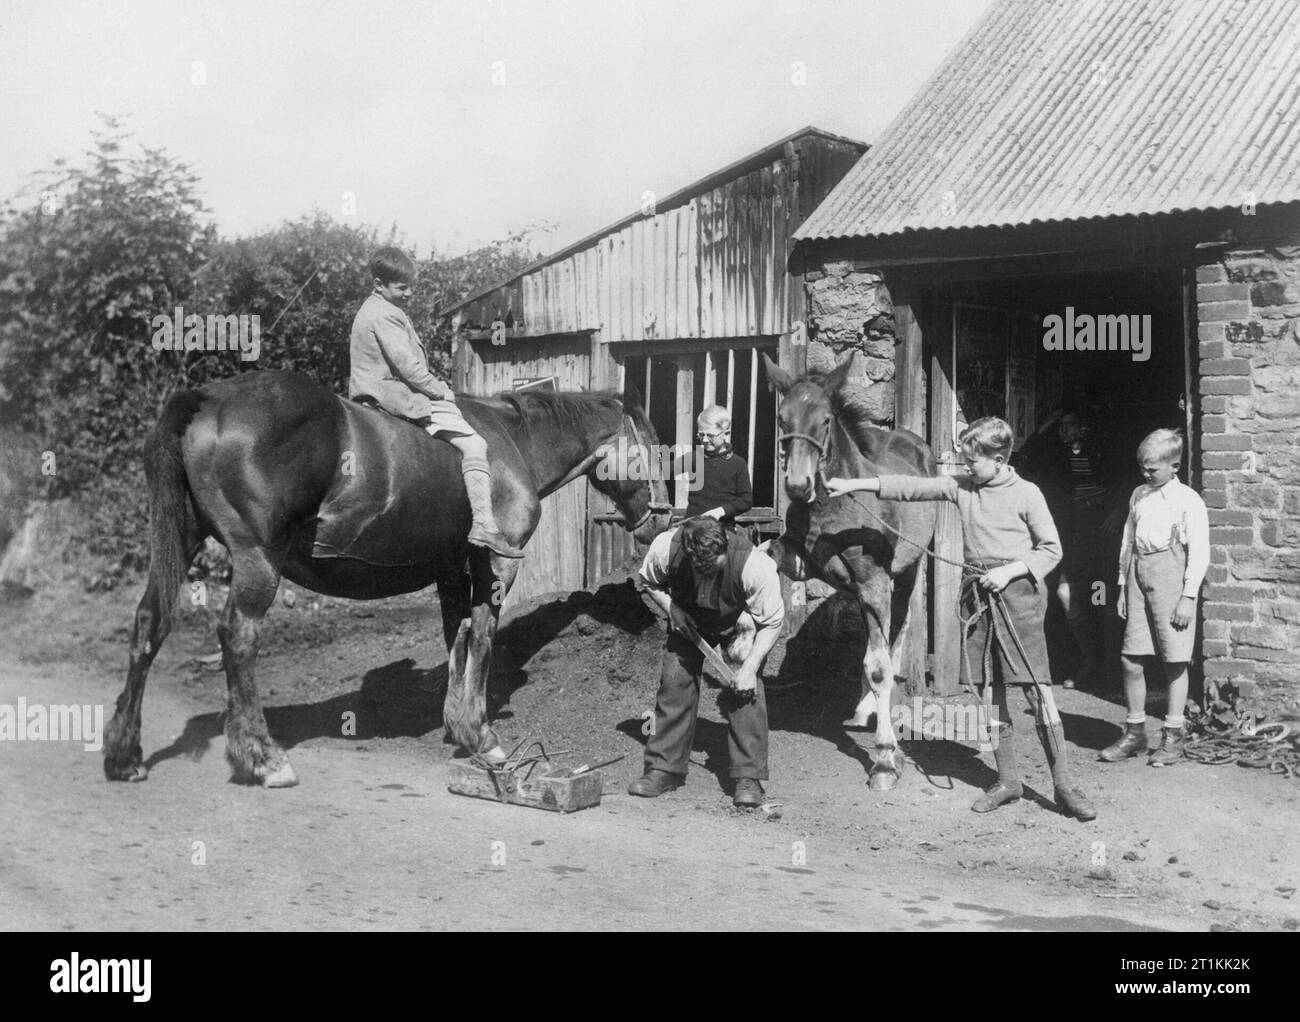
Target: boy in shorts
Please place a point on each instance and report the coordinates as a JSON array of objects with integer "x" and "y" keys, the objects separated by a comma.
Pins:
[{"x": 1162, "y": 563}]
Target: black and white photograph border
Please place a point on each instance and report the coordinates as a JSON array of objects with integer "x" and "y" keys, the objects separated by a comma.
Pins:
[{"x": 635, "y": 466}]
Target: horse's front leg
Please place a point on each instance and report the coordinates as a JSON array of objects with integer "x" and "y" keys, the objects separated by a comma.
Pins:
[
  {"x": 874, "y": 599},
  {"x": 454, "y": 598}
]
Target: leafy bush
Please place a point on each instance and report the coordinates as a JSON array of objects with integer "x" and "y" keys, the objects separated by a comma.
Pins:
[{"x": 103, "y": 248}]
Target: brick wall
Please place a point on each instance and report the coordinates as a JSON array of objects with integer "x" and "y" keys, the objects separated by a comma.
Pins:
[
  {"x": 1248, "y": 314},
  {"x": 848, "y": 309}
]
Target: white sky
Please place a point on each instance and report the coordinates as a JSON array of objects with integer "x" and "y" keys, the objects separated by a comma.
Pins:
[{"x": 394, "y": 101}]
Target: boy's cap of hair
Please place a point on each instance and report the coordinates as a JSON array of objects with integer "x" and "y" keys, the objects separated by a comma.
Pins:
[
  {"x": 715, "y": 416},
  {"x": 1164, "y": 444},
  {"x": 392, "y": 265},
  {"x": 989, "y": 436}
]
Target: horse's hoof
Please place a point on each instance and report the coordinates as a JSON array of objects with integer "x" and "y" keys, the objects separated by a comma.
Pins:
[
  {"x": 496, "y": 754},
  {"x": 883, "y": 780},
  {"x": 282, "y": 777},
  {"x": 131, "y": 773}
]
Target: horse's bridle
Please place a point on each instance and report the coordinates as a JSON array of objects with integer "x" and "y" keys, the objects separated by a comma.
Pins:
[
  {"x": 818, "y": 445},
  {"x": 651, "y": 505}
]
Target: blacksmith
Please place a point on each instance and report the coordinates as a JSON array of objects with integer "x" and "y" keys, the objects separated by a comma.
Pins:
[{"x": 710, "y": 579}]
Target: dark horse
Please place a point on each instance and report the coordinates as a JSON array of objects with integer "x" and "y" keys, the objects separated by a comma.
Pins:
[
  {"x": 350, "y": 501},
  {"x": 841, "y": 540}
]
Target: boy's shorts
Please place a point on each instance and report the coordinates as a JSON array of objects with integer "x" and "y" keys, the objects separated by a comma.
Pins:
[
  {"x": 445, "y": 417},
  {"x": 1154, "y": 587},
  {"x": 1026, "y": 603}
]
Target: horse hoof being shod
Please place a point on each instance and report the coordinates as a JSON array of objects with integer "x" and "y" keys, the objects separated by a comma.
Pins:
[
  {"x": 352, "y": 502},
  {"x": 848, "y": 543}
]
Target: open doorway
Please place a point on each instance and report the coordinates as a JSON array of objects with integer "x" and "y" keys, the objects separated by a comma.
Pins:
[
  {"x": 676, "y": 386},
  {"x": 1114, "y": 348}
]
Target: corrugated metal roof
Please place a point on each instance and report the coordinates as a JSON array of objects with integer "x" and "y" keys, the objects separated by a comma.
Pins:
[{"x": 1057, "y": 110}]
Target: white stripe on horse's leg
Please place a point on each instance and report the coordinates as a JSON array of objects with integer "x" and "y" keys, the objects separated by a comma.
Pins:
[{"x": 888, "y": 764}]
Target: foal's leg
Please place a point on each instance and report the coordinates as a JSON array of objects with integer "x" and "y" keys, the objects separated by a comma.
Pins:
[
  {"x": 900, "y": 614},
  {"x": 874, "y": 599},
  {"x": 252, "y": 753}
]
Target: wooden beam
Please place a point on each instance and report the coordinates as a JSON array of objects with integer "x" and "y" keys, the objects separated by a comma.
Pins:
[
  {"x": 753, "y": 413},
  {"x": 685, "y": 421},
  {"x": 947, "y": 538},
  {"x": 909, "y": 413},
  {"x": 731, "y": 378}
]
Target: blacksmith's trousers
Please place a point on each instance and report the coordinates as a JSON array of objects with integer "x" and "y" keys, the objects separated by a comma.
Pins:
[{"x": 677, "y": 708}]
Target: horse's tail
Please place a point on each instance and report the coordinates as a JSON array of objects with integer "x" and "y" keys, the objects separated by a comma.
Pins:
[{"x": 169, "y": 500}]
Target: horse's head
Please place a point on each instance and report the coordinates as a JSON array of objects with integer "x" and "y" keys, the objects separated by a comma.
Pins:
[
  {"x": 630, "y": 473},
  {"x": 804, "y": 419}
]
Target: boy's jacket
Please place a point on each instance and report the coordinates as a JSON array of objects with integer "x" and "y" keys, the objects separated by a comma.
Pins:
[{"x": 389, "y": 364}]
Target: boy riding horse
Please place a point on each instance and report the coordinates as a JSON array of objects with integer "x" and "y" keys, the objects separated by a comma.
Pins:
[{"x": 389, "y": 366}]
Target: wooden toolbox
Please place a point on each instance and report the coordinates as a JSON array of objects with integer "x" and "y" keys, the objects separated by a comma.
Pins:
[{"x": 556, "y": 790}]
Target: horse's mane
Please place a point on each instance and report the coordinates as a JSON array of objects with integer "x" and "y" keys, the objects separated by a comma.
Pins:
[
  {"x": 851, "y": 407},
  {"x": 563, "y": 409}
]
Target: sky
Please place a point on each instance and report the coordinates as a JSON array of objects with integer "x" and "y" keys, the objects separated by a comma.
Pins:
[{"x": 459, "y": 122}]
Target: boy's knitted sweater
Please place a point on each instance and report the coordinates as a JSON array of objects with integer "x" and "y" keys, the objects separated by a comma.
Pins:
[
  {"x": 725, "y": 485},
  {"x": 1007, "y": 519}
]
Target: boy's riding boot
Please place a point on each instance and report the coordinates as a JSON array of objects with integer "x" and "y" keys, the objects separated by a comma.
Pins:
[
  {"x": 1008, "y": 787},
  {"x": 1171, "y": 748},
  {"x": 484, "y": 532},
  {"x": 1069, "y": 799},
  {"x": 1131, "y": 742}
]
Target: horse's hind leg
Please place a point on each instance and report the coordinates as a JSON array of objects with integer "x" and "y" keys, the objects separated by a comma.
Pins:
[
  {"x": 252, "y": 753},
  {"x": 123, "y": 759}
]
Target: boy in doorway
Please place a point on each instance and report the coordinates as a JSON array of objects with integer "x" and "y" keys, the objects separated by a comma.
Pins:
[
  {"x": 725, "y": 490},
  {"x": 389, "y": 365},
  {"x": 1162, "y": 563}
]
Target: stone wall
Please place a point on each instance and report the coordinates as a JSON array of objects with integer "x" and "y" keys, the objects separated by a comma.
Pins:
[
  {"x": 848, "y": 310},
  {"x": 1248, "y": 315}
]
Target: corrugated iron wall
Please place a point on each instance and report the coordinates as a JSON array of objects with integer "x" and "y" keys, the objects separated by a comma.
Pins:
[{"x": 713, "y": 268}]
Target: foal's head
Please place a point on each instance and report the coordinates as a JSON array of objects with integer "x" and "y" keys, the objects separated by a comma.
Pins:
[{"x": 807, "y": 411}]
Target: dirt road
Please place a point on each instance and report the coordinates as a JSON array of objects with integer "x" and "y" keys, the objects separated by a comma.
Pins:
[{"x": 372, "y": 839}]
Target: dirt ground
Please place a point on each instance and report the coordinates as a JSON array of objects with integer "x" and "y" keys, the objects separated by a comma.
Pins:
[{"x": 371, "y": 838}]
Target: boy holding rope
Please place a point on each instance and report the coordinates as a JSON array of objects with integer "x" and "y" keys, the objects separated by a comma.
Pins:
[{"x": 1010, "y": 546}]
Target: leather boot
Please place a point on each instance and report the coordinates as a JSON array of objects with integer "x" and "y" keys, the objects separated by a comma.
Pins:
[
  {"x": 654, "y": 783},
  {"x": 1171, "y": 748},
  {"x": 1132, "y": 742},
  {"x": 1008, "y": 787},
  {"x": 484, "y": 531},
  {"x": 1069, "y": 799}
]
